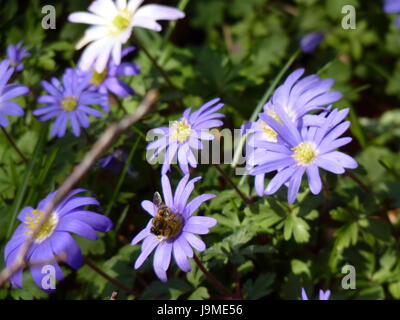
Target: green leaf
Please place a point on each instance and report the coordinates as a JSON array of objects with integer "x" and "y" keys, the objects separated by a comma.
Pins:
[
  {"x": 297, "y": 227},
  {"x": 195, "y": 276},
  {"x": 346, "y": 235},
  {"x": 260, "y": 288},
  {"x": 371, "y": 293},
  {"x": 172, "y": 289},
  {"x": 341, "y": 214},
  {"x": 30, "y": 290},
  {"x": 200, "y": 293},
  {"x": 91, "y": 247},
  {"x": 394, "y": 289},
  {"x": 379, "y": 229},
  {"x": 245, "y": 268},
  {"x": 299, "y": 267}
]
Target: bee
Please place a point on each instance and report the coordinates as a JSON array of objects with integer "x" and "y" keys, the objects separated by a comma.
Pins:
[{"x": 166, "y": 224}]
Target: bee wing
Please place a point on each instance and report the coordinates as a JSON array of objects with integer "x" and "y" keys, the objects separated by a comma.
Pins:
[{"x": 157, "y": 200}]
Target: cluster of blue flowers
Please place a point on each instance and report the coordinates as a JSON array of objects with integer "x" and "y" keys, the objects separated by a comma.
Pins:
[
  {"x": 291, "y": 138},
  {"x": 71, "y": 102},
  {"x": 298, "y": 132}
]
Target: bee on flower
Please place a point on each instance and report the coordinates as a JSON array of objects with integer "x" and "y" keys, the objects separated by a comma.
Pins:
[{"x": 173, "y": 229}]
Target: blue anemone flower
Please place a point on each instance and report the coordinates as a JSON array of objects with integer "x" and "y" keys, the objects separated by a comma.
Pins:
[
  {"x": 7, "y": 92},
  {"x": 54, "y": 239},
  {"x": 302, "y": 150},
  {"x": 69, "y": 102},
  {"x": 185, "y": 135}
]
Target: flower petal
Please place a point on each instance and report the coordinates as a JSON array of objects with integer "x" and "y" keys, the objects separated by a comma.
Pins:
[
  {"x": 194, "y": 241},
  {"x": 63, "y": 243},
  {"x": 151, "y": 243},
  {"x": 181, "y": 258}
]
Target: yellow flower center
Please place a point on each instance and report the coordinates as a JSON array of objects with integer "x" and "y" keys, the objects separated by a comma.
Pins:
[
  {"x": 274, "y": 116},
  {"x": 98, "y": 78},
  {"x": 271, "y": 134},
  {"x": 69, "y": 103},
  {"x": 46, "y": 230},
  {"x": 120, "y": 22},
  {"x": 181, "y": 130},
  {"x": 304, "y": 153}
]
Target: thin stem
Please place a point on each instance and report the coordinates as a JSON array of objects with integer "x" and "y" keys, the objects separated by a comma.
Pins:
[
  {"x": 122, "y": 177},
  {"x": 231, "y": 183},
  {"x": 113, "y": 281},
  {"x": 218, "y": 285},
  {"x": 238, "y": 290},
  {"x": 181, "y": 6},
  {"x": 327, "y": 194},
  {"x": 323, "y": 215},
  {"x": 155, "y": 63},
  {"x": 359, "y": 182},
  {"x": 14, "y": 145},
  {"x": 21, "y": 193}
]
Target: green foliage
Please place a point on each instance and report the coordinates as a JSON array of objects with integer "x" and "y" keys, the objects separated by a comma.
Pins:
[{"x": 230, "y": 49}]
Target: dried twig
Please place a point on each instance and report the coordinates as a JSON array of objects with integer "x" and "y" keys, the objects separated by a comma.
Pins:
[
  {"x": 105, "y": 141},
  {"x": 232, "y": 184},
  {"x": 114, "y": 295}
]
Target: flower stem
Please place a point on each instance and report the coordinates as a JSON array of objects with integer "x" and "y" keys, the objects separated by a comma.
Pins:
[
  {"x": 14, "y": 145},
  {"x": 327, "y": 194},
  {"x": 121, "y": 177},
  {"x": 21, "y": 193},
  {"x": 113, "y": 281},
  {"x": 238, "y": 290},
  {"x": 231, "y": 183},
  {"x": 218, "y": 285},
  {"x": 359, "y": 182},
  {"x": 89, "y": 138},
  {"x": 155, "y": 63}
]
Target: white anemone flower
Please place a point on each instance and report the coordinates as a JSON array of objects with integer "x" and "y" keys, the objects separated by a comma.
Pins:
[{"x": 112, "y": 24}]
